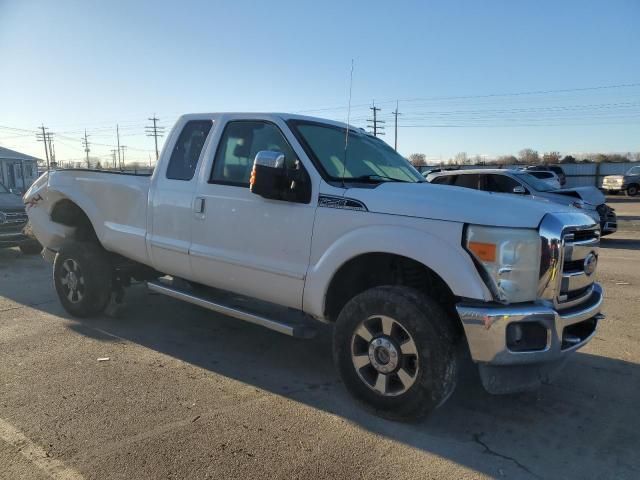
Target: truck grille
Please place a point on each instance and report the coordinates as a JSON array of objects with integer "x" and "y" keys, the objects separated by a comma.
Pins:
[
  {"x": 12, "y": 218},
  {"x": 578, "y": 267}
]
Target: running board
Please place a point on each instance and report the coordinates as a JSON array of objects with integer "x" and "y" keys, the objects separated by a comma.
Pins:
[{"x": 296, "y": 325}]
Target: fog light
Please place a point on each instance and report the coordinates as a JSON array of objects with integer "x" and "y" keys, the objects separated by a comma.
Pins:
[{"x": 526, "y": 337}]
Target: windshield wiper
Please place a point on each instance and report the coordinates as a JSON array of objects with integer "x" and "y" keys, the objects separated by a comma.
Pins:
[{"x": 375, "y": 178}]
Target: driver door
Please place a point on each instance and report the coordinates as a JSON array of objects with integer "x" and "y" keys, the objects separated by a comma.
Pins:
[{"x": 242, "y": 242}]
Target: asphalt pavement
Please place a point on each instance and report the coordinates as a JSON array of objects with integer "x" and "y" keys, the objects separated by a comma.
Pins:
[{"x": 164, "y": 389}]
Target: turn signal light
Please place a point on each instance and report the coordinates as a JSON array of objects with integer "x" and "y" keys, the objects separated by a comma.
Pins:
[{"x": 484, "y": 251}]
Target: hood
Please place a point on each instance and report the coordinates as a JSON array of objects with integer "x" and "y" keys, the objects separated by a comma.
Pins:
[
  {"x": 456, "y": 204},
  {"x": 11, "y": 202},
  {"x": 590, "y": 195}
]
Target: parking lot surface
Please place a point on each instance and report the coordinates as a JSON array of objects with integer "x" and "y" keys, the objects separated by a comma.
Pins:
[{"x": 180, "y": 392}]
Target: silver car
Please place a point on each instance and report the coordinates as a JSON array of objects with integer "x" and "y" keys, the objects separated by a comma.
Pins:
[{"x": 519, "y": 182}]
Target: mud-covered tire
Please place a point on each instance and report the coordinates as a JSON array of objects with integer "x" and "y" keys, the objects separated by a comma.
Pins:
[
  {"x": 633, "y": 190},
  {"x": 31, "y": 248},
  {"x": 86, "y": 267},
  {"x": 417, "y": 317}
]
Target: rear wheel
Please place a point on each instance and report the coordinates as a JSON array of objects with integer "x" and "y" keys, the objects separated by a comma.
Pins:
[
  {"x": 83, "y": 278},
  {"x": 395, "y": 350}
]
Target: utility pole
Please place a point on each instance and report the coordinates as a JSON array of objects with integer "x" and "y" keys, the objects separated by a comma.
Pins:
[
  {"x": 52, "y": 151},
  {"x": 85, "y": 144},
  {"x": 395, "y": 139},
  {"x": 154, "y": 131},
  {"x": 123, "y": 148},
  {"x": 377, "y": 129},
  {"x": 118, "y": 135},
  {"x": 113, "y": 154},
  {"x": 42, "y": 137}
]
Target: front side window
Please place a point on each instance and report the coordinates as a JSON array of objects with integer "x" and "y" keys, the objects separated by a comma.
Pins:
[
  {"x": 360, "y": 157},
  {"x": 469, "y": 180},
  {"x": 500, "y": 184},
  {"x": 444, "y": 180},
  {"x": 634, "y": 171},
  {"x": 240, "y": 143},
  {"x": 187, "y": 150}
]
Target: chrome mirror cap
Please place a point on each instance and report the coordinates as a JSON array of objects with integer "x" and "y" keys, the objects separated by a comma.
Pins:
[{"x": 270, "y": 159}]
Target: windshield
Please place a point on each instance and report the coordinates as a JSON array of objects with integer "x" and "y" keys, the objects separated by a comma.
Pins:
[
  {"x": 634, "y": 171},
  {"x": 533, "y": 182},
  {"x": 368, "y": 159},
  {"x": 3, "y": 189}
]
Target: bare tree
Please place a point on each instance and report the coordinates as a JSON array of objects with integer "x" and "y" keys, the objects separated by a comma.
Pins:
[
  {"x": 418, "y": 159},
  {"x": 505, "y": 160},
  {"x": 551, "y": 158},
  {"x": 528, "y": 155},
  {"x": 461, "y": 158}
]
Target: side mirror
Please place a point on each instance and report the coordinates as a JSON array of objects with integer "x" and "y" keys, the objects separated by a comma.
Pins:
[
  {"x": 519, "y": 189},
  {"x": 269, "y": 175}
]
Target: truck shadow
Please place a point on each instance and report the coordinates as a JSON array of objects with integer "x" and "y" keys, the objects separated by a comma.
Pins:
[
  {"x": 583, "y": 414},
  {"x": 620, "y": 243}
]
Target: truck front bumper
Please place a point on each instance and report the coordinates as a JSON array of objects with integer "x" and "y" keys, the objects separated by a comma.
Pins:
[
  {"x": 487, "y": 327},
  {"x": 508, "y": 367},
  {"x": 12, "y": 239}
]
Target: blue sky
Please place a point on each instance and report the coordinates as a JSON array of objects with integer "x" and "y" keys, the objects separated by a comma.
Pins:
[{"x": 73, "y": 65}]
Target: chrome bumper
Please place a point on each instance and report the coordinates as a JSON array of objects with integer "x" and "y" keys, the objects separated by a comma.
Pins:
[{"x": 486, "y": 329}]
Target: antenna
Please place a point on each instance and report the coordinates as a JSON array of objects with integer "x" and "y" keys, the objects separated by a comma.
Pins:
[{"x": 346, "y": 133}]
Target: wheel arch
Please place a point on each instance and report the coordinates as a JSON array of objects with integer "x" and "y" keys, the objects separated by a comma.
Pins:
[
  {"x": 67, "y": 212},
  {"x": 378, "y": 255}
]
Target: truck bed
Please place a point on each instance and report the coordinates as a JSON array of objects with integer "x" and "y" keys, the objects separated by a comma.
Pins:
[{"x": 115, "y": 202}]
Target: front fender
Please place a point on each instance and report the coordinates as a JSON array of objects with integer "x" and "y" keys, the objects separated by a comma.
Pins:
[{"x": 441, "y": 252}]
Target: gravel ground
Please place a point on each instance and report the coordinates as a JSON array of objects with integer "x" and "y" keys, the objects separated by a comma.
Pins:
[{"x": 190, "y": 394}]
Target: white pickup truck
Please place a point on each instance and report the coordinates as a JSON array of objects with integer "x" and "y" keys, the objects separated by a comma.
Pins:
[{"x": 284, "y": 221}]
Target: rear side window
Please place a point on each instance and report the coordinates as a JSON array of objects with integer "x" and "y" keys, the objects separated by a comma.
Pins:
[
  {"x": 467, "y": 181},
  {"x": 187, "y": 150},
  {"x": 500, "y": 184}
]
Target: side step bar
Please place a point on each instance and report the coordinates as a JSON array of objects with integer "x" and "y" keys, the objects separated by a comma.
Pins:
[{"x": 299, "y": 326}]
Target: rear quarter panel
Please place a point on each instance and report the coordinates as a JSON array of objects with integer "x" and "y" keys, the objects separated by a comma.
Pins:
[{"x": 116, "y": 205}]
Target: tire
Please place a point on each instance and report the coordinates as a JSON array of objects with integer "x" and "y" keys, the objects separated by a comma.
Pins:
[
  {"x": 633, "y": 190},
  {"x": 31, "y": 248},
  {"x": 419, "y": 350},
  {"x": 83, "y": 277}
]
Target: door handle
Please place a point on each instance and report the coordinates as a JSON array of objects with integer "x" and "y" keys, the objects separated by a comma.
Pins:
[{"x": 198, "y": 205}]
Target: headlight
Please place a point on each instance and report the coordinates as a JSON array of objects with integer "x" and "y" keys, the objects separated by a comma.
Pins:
[{"x": 509, "y": 258}]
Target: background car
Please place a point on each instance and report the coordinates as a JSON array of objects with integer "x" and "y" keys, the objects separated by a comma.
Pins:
[
  {"x": 13, "y": 222},
  {"x": 629, "y": 182},
  {"x": 557, "y": 169},
  {"x": 521, "y": 182}
]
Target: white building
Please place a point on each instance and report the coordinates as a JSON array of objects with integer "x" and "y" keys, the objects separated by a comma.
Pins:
[{"x": 17, "y": 170}]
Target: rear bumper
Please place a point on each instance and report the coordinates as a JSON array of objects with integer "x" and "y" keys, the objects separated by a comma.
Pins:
[{"x": 486, "y": 330}]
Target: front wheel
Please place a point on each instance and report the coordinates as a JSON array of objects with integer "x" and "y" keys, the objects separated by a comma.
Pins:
[
  {"x": 83, "y": 278},
  {"x": 395, "y": 350},
  {"x": 632, "y": 190}
]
